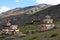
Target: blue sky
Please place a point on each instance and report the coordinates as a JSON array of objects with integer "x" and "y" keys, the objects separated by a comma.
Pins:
[
  {"x": 11, "y": 4},
  {"x": 16, "y": 3},
  {"x": 6, "y": 5}
]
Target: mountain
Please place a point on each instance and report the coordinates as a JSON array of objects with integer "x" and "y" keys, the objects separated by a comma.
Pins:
[
  {"x": 53, "y": 11},
  {"x": 21, "y": 16},
  {"x": 21, "y": 19},
  {"x": 25, "y": 10}
]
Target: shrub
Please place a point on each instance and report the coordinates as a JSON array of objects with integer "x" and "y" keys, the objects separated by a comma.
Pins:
[{"x": 53, "y": 35}]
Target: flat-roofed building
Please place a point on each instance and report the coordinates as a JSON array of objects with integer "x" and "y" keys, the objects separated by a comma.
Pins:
[
  {"x": 10, "y": 29},
  {"x": 47, "y": 23}
]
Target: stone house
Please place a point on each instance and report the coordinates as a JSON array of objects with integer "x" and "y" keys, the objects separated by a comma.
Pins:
[
  {"x": 10, "y": 29},
  {"x": 47, "y": 23}
]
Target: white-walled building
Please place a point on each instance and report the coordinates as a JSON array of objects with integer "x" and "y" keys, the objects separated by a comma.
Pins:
[
  {"x": 47, "y": 23},
  {"x": 10, "y": 29}
]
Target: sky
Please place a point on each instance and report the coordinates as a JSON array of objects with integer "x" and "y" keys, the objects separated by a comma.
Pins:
[{"x": 6, "y": 5}]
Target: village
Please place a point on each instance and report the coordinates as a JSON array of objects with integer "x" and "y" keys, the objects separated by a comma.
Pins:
[
  {"x": 29, "y": 20},
  {"x": 10, "y": 29}
]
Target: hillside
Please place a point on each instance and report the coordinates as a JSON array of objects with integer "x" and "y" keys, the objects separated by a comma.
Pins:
[
  {"x": 21, "y": 15},
  {"x": 23, "y": 18},
  {"x": 54, "y": 11},
  {"x": 47, "y": 35},
  {"x": 25, "y": 10}
]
